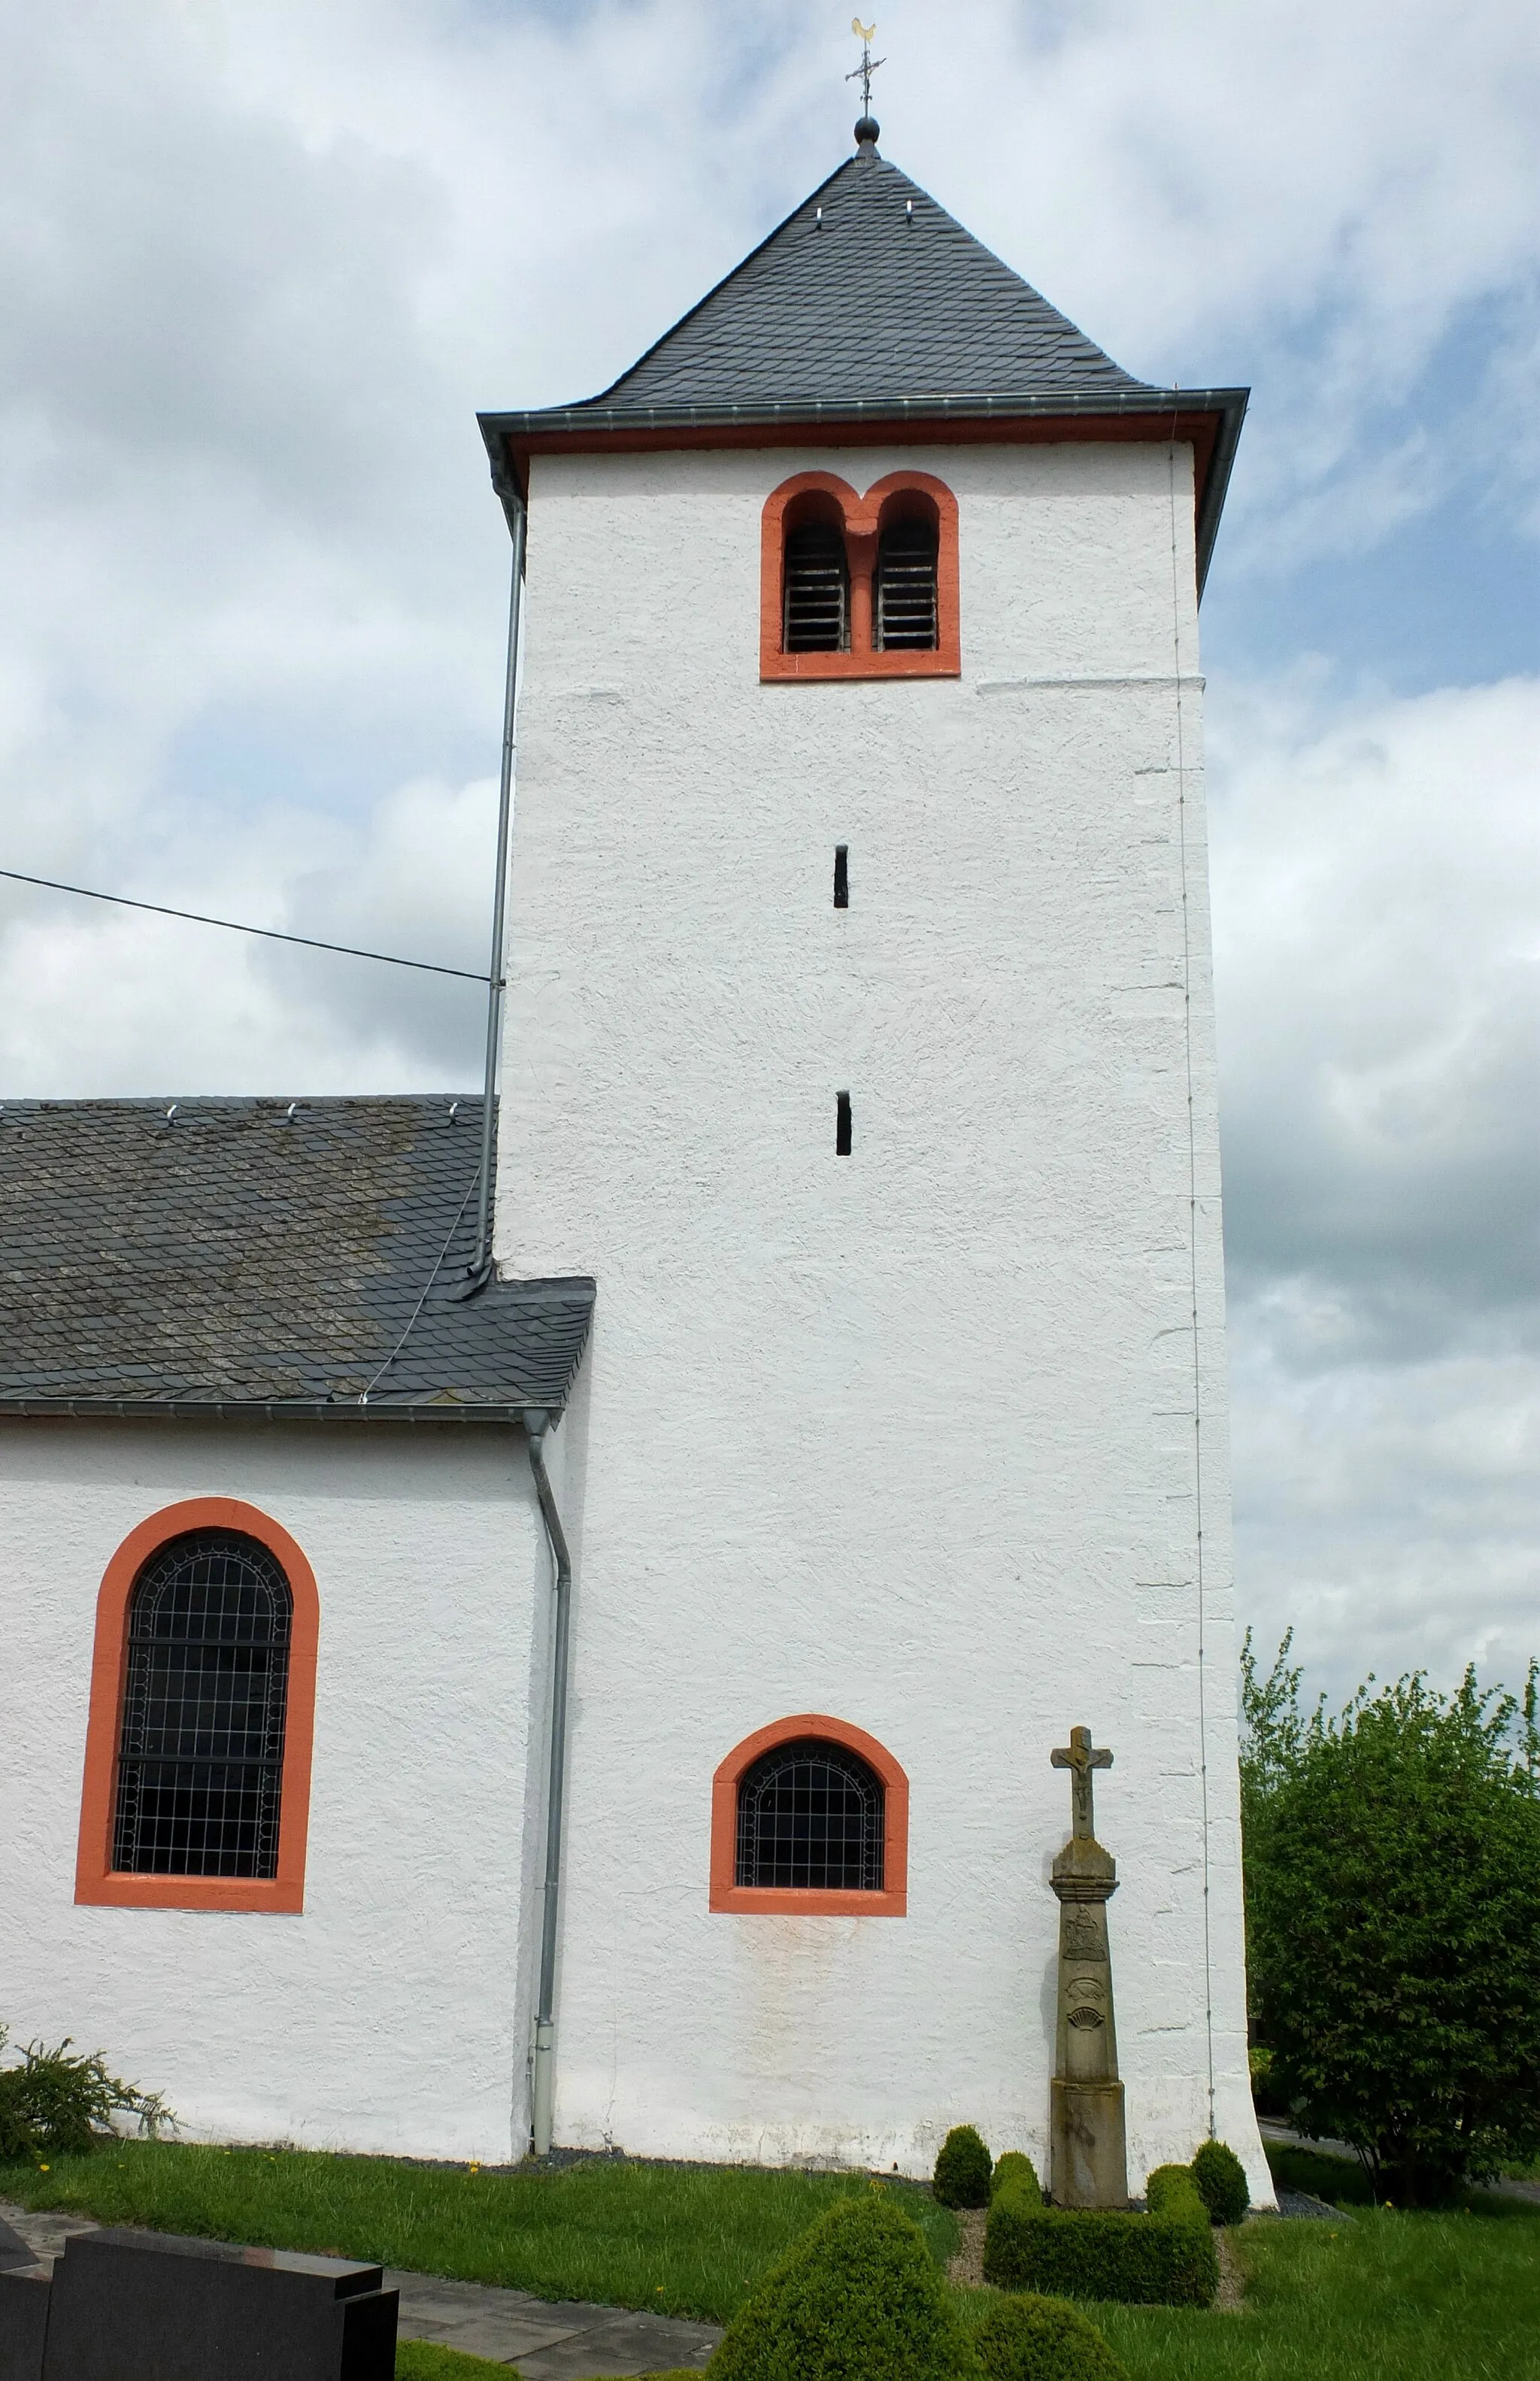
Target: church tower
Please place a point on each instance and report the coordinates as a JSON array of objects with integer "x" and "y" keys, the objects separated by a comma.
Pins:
[{"x": 860, "y": 1044}]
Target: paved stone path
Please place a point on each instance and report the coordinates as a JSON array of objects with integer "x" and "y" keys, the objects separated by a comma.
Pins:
[{"x": 564, "y": 2341}]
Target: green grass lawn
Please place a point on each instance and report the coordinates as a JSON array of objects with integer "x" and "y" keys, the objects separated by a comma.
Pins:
[
  {"x": 684, "y": 2241},
  {"x": 1379, "y": 2296},
  {"x": 418, "y": 2359}
]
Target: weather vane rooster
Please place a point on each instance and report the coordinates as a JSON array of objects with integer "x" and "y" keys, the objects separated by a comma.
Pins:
[{"x": 869, "y": 65}]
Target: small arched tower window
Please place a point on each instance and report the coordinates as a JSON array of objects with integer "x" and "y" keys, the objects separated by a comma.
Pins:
[
  {"x": 810, "y": 1816},
  {"x": 201, "y": 1745},
  {"x": 816, "y": 581},
  {"x": 904, "y": 612}
]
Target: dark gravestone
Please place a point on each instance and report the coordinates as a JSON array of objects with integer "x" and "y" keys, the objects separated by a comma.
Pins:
[
  {"x": 23, "y": 2322},
  {"x": 23, "y": 2309},
  {"x": 148, "y": 2306}
]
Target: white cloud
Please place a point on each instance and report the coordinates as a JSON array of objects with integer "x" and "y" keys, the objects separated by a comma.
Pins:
[
  {"x": 98, "y": 1001},
  {"x": 1387, "y": 1513},
  {"x": 1378, "y": 962}
]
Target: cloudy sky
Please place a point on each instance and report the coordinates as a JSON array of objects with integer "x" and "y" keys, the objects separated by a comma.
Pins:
[{"x": 258, "y": 264}]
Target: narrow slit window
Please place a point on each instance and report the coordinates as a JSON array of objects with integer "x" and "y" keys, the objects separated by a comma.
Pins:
[
  {"x": 906, "y": 609},
  {"x": 815, "y": 591},
  {"x": 842, "y": 1124},
  {"x": 201, "y": 1747},
  {"x": 811, "y": 1814},
  {"x": 841, "y": 877}
]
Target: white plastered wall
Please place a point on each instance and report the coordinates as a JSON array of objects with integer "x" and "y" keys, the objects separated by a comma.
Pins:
[
  {"x": 392, "y": 2015},
  {"x": 907, "y": 1437}
]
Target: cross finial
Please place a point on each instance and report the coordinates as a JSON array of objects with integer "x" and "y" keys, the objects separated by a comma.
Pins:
[
  {"x": 1080, "y": 1756},
  {"x": 868, "y": 129}
]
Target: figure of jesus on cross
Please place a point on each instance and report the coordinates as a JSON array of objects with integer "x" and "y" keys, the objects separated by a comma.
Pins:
[{"x": 1078, "y": 1757}]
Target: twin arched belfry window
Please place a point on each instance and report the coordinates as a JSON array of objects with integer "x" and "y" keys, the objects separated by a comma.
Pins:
[
  {"x": 860, "y": 586},
  {"x": 816, "y": 582}
]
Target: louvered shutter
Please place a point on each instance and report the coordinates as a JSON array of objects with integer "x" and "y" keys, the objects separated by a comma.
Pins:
[
  {"x": 906, "y": 588},
  {"x": 816, "y": 591}
]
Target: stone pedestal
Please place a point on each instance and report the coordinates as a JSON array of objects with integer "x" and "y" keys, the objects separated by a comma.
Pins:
[
  {"x": 1090, "y": 2160},
  {"x": 1090, "y": 2156}
]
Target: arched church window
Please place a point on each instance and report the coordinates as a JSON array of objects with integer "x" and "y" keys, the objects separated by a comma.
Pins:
[
  {"x": 809, "y": 1818},
  {"x": 810, "y": 1815},
  {"x": 905, "y": 609},
  {"x": 200, "y": 1751},
  {"x": 196, "y": 1794},
  {"x": 816, "y": 589}
]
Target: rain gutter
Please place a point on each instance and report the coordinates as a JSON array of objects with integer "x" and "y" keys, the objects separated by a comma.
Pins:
[{"x": 511, "y": 437}]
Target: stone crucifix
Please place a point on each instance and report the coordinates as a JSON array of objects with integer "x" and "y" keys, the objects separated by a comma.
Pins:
[
  {"x": 1081, "y": 1756},
  {"x": 1090, "y": 2163}
]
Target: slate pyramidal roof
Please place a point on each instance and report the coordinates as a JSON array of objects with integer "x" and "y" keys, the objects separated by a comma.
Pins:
[{"x": 871, "y": 314}]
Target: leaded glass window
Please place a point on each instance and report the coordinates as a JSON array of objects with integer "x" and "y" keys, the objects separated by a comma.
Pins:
[
  {"x": 811, "y": 1814},
  {"x": 200, "y": 1749}
]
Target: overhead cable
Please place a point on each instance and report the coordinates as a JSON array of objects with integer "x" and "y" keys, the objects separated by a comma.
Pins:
[{"x": 234, "y": 927}]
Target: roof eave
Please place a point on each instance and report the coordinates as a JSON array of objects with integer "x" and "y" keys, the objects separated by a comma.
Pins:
[
  {"x": 511, "y": 437},
  {"x": 272, "y": 1409}
]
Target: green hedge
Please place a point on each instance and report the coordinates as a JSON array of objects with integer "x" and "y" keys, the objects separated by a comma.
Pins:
[
  {"x": 1018, "y": 2170},
  {"x": 1165, "y": 2258}
]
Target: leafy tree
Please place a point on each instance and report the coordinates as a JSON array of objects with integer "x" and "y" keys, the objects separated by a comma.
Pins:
[{"x": 1393, "y": 1916}]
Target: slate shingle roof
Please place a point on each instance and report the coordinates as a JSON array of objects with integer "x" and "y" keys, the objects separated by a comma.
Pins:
[
  {"x": 871, "y": 303},
  {"x": 233, "y": 1259},
  {"x": 853, "y": 299}
]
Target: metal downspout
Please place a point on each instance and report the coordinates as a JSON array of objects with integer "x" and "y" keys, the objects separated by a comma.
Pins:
[
  {"x": 481, "y": 1264},
  {"x": 535, "y": 1426}
]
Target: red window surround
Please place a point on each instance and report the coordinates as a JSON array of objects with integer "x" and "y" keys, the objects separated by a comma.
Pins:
[
  {"x": 793, "y": 1901},
  {"x": 861, "y": 517},
  {"x": 95, "y": 1879}
]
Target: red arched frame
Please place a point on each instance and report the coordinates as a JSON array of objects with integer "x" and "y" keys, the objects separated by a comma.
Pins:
[
  {"x": 789, "y": 1901},
  {"x": 862, "y": 521},
  {"x": 95, "y": 1879}
]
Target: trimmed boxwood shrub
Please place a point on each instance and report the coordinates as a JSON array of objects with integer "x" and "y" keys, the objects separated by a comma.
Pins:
[
  {"x": 1016, "y": 2168},
  {"x": 1173, "y": 2191},
  {"x": 1165, "y": 2258},
  {"x": 1221, "y": 2180},
  {"x": 1031, "y": 2338},
  {"x": 961, "y": 2176},
  {"x": 856, "y": 2299}
]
